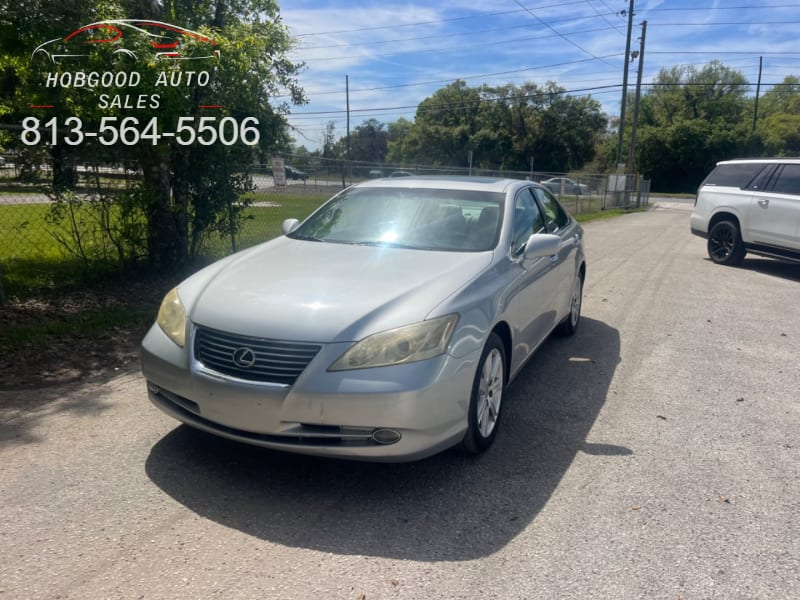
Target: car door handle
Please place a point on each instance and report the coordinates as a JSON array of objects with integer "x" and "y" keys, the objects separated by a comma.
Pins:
[
  {"x": 763, "y": 203},
  {"x": 575, "y": 240}
]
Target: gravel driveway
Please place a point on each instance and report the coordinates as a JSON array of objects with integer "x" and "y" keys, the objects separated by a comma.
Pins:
[{"x": 653, "y": 455}]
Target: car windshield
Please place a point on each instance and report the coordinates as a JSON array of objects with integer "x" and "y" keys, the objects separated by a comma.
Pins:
[{"x": 423, "y": 219}]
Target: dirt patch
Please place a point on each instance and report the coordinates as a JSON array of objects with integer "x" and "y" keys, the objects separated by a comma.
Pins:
[{"x": 71, "y": 336}]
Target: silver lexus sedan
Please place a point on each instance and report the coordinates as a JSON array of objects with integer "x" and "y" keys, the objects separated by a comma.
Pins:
[{"x": 386, "y": 326}]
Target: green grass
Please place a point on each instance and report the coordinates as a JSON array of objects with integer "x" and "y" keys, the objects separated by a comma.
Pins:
[
  {"x": 607, "y": 214},
  {"x": 93, "y": 322},
  {"x": 31, "y": 258},
  {"x": 263, "y": 223},
  {"x": 74, "y": 307},
  {"x": 24, "y": 231},
  {"x": 33, "y": 261}
]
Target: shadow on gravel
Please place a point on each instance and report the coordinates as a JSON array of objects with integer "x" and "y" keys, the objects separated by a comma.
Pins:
[
  {"x": 448, "y": 507},
  {"x": 21, "y": 411},
  {"x": 776, "y": 268}
]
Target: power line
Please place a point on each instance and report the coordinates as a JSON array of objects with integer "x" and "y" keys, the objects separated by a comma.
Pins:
[
  {"x": 615, "y": 27},
  {"x": 554, "y": 30},
  {"x": 579, "y": 92},
  {"x": 739, "y": 52},
  {"x": 468, "y": 77},
  {"x": 484, "y": 16},
  {"x": 461, "y": 104},
  {"x": 465, "y": 33},
  {"x": 524, "y": 70},
  {"x": 709, "y": 8},
  {"x": 726, "y": 23},
  {"x": 598, "y": 90},
  {"x": 434, "y": 22},
  {"x": 444, "y": 48}
]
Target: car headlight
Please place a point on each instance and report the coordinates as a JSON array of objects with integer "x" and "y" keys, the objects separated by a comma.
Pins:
[
  {"x": 172, "y": 317},
  {"x": 407, "y": 344}
]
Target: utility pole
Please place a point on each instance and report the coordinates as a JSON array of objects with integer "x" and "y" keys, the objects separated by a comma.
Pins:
[
  {"x": 347, "y": 147},
  {"x": 758, "y": 91},
  {"x": 635, "y": 125},
  {"x": 625, "y": 84},
  {"x": 347, "y": 96}
]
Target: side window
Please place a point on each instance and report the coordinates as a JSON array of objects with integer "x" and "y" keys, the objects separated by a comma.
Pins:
[
  {"x": 734, "y": 174},
  {"x": 764, "y": 178},
  {"x": 788, "y": 181},
  {"x": 527, "y": 219},
  {"x": 555, "y": 216}
]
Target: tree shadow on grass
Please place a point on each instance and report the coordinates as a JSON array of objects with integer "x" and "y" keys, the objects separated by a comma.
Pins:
[{"x": 447, "y": 507}]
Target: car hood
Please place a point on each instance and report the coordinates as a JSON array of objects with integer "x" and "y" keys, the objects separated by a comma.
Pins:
[{"x": 324, "y": 292}]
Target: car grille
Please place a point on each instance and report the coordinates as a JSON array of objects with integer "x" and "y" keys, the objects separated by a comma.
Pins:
[{"x": 271, "y": 361}]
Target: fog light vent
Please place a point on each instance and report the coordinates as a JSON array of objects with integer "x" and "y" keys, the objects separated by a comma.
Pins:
[{"x": 386, "y": 436}]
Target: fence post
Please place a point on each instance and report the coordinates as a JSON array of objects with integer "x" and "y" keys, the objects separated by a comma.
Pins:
[{"x": 231, "y": 217}]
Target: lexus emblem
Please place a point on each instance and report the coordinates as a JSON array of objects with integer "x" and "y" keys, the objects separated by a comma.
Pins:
[{"x": 244, "y": 357}]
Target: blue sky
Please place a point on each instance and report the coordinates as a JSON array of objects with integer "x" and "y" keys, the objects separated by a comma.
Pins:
[{"x": 396, "y": 53}]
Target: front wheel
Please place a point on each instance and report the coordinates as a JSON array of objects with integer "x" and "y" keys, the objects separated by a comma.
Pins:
[
  {"x": 487, "y": 395},
  {"x": 725, "y": 246},
  {"x": 569, "y": 325}
]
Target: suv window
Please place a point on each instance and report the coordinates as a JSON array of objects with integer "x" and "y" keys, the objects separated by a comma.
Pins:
[
  {"x": 734, "y": 175},
  {"x": 788, "y": 180}
]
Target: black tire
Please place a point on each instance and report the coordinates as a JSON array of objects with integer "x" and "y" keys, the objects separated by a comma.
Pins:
[
  {"x": 725, "y": 246},
  {"x": 485, "y": 403},
  {"x": 569, "y": 325}
]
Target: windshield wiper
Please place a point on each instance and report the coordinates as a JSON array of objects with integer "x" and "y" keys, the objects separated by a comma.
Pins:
[
  {"x": 305, "y": 238},
  {"x": 378, "y": 243}
]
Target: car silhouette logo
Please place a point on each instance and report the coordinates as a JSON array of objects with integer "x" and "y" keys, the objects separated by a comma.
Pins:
[
  {"x": 165, "y": 40},
  {"x": 244, "y": 357}
]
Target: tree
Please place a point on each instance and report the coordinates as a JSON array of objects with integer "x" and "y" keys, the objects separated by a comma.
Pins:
[
  {"x": 188, "y": 190},
  {"x": 368, "y": 143},
  {"x": 779, "y": 118},
  {"x": 23, "y": 27},
  {"x": 442, "y": 127},
  {"x": 713, "y": 92},
  {"x": 690, "y": 119},
  {"x": 329, "y": 141},
  {"x": 254, "y": 66},
  {"x": 781, "y": 134},
  {"x": 783, "y": 98},
  {"x": 570, "y": 128},
  {"x": 503, "y": 127}
]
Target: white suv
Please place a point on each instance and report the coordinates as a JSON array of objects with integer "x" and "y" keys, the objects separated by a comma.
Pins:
[{"x": 750, "y": 205}]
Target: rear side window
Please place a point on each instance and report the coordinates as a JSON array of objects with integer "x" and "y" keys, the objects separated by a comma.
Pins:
[
  {"x": 788, "y": 180},
  {"x": 734, "y": 175}
]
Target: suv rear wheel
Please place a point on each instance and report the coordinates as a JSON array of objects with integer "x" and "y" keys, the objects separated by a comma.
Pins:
[{"x": 725, "y": 246}]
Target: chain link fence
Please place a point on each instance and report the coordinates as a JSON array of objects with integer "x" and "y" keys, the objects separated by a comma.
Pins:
[{"x": 98, "y": 223}]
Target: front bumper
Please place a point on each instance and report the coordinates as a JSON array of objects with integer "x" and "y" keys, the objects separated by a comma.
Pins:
[
  {"x": 698, "y": 224},
  {"x": 398, "y": 413}
]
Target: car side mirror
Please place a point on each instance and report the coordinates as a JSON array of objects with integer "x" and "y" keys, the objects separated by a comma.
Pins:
[
  {"x": 542, "y": 244},
  {"x": 289, "y": 225}
]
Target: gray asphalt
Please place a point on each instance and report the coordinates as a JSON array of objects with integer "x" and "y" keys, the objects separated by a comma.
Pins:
[{"x": 654, "y": 455}]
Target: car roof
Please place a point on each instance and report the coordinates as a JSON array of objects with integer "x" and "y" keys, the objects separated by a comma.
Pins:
[
  {"x": 454, "y": 182},
  {"x": 781, "y": 160}
]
